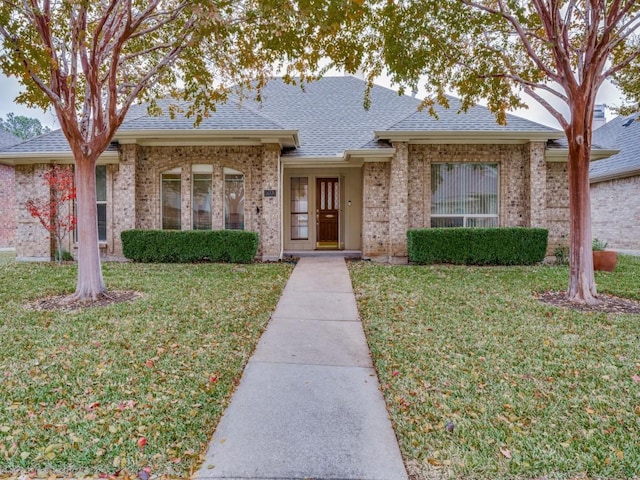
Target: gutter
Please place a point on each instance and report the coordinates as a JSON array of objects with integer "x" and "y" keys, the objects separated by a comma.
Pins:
[
  {"x": 562, "y": 154},
  {"x": 171, "y": 137},
  {"x": 31, "y": 158},
  {"x": 466, "y": 137},
  {"x": 631, "y": 172}
]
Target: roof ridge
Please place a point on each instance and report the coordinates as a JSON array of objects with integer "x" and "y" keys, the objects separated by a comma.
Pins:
[{"x": 245, "y": 105}]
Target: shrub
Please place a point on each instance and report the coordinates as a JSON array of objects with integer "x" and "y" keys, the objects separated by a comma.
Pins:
[
  {"x": 184, "y": 246},
  {"x": 477, "y": 246}
]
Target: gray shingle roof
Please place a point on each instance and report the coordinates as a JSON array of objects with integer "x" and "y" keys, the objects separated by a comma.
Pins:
[
  {"x": 232, "y": 115},
  {"x": 328, "y": 114},
  {"x": 7, "y": 139},
  {"x": 475, "y": 119},
  {"x": 621, "y": 133}
]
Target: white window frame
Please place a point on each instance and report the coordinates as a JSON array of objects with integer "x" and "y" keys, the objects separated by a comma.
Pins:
[
  {"x": 464, "y": 216},
  {"x": 230, "y": 171},
  {"x": 175, "y": 171},
  {"x": 200, "y": 170}
]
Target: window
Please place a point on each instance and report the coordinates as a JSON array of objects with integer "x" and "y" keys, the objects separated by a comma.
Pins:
[
  {"x": 233, "y": 199},
  {"x": 202, "y": 197},
  {"x": 299, "y": 208},
  {"x": 101, "y": 204},
  {"x": 171, "y": 199},
  {"x": 101, "y": 201},
  {"x": 464, "y": 195}
]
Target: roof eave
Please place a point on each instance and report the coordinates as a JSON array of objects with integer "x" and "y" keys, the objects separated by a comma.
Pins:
[
  {"x": 562, "y": 154},
  {"x": 349, "y": 158},
  {"x": 630, "y": 172},
  {"x": 171, "y": 137},
  {"x": 466, "y": 136},
  {"x": 32, "y": 158}
]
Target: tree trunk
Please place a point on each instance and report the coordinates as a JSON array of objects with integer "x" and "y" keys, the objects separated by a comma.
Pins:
[
  {"x": 90, "y": 282},
  {"x": 582, "y": 285}
]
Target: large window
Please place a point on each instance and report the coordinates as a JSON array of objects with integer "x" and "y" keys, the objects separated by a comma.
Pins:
[
  {"x": 171, "y": 199},
  {"x": 464, "y": 195},
  {"x": 201, "y": 199},
  {"x": 299, "y": 208},
  {"x": 233, "y": 199}
]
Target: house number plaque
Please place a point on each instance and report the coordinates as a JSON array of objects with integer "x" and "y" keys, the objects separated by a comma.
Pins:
[{"x": 269, "y": 193}]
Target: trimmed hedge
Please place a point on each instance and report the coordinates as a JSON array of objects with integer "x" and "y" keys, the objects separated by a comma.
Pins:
[
  {"x": 184, "y": 246},
  {"x": 478, "y": 246}
]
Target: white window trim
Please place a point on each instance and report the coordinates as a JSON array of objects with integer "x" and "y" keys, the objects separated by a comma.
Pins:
[
  {"x": 175, "y": 171},
  {"x": 465, "y": 216}
]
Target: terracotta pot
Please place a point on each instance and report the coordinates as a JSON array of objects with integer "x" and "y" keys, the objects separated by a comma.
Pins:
[{"x": 605, "y": 260}]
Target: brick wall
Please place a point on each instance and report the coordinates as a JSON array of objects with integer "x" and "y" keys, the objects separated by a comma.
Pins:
[
  {"x": 615, "y": 212},
  {"x": 557, "y": 202},
  {"x": 532, "y": 191},
  {"x": 512, "y": 162},
  {"x": 399, "y": 203},
  {"x": 375, "y": 209},
  {"x": 32, "y": 240},
  {"x": 7, "y": 207},
  {"x": 251, "y": 161}
]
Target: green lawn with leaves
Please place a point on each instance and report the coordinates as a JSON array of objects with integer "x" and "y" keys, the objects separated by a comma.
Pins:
[
  {"x": 131, "y": 385},
  {"x": 483, "y": 381}
]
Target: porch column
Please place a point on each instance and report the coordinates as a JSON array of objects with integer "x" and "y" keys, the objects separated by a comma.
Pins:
[
  {"x": 537, "y": 185},
  {"x": 399, "y": 204},
  {"x": 122, "y": 211},
  {"x": 33, "y": 242},
  {"x": 270, "y": 228}
]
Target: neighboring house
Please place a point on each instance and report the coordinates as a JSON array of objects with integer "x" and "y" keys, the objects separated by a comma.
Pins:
[
  {"x": 615, "y": 185},
  {"x": 7, "y": 190},
  {"x": 312, "y": 169}
]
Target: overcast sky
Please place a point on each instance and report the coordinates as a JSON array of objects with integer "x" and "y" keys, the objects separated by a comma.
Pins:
[{"x": 9, "y": 89}]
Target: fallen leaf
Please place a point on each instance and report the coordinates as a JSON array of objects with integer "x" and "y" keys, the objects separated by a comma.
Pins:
[
  {"x": 636, "y": 378},
  {"x": 142, "y": 441},
  {"x": 505, "y": 452}
]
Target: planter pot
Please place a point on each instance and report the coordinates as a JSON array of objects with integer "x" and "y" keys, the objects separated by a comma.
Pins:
[{"x": 605, "y": 260}]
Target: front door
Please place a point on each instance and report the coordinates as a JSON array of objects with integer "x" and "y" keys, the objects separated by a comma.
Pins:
[{"x": 327, "y": 211}]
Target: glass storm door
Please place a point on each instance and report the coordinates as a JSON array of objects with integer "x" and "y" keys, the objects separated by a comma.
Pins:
[{"x": 327, "y": 208}]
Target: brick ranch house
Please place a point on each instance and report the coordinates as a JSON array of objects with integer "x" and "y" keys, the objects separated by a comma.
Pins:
[
  {"x": 7, "y": 189},
  {"x": 615, "y": 185},
  {"x": 312, "y": 169}
]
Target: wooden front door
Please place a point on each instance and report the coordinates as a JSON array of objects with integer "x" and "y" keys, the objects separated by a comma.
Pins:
[{"x": 327, "y": 211}]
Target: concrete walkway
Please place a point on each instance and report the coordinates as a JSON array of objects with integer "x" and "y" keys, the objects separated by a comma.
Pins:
[{"x": 308, "y": 405}]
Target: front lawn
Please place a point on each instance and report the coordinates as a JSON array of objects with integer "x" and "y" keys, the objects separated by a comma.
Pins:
[
  {"x": 132, "y": 385},
  {"x": 483, "y": 381}
]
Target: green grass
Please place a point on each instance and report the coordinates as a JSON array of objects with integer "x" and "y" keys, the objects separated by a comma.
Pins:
[
  {"x": 78, "y": 390},
  {"x": 555, "y": 390}
]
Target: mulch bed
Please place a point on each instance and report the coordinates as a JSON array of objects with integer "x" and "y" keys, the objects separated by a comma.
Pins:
[
  {"x": 67, "y": 303},
  {"x": 606, "y": 303}
]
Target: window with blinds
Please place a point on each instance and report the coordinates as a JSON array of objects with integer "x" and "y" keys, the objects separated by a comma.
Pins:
[{"x": 464, "y": 195}]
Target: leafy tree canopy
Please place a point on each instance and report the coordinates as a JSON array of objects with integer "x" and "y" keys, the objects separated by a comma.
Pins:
[
  {"x": 494, "y": 50},
  {"x": 23, "y": 127}
]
